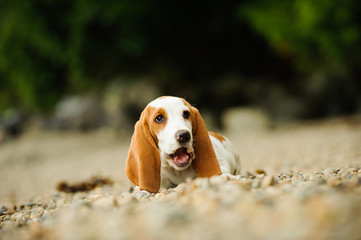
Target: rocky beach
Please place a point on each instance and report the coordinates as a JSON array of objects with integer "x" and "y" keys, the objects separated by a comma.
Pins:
[{"x": 300, "y": 181}]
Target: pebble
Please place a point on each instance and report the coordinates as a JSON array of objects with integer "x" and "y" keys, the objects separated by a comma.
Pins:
[
  {"x": 352, "y": 182},
  {"x": 334, "y": 182},
  {"x": 50, "y": 205},
  {"x": 60, "y": 203},
  {"x": 217, "y": 180},
  {"x": 256, "y": 183},
  {"x": 36, "y": 215},
  {"x": 80, "y": 203},
  {"x": 30, "y": 204},
  {"x": 94, "y": 197},
  {"x": 284, "y": 181},
  {"x": 267, "y": 181},
  {"x": 105, "y": 202},
  {"x": 201, "y": 183},
  {"x": 260, "y": 171},
  {"x": 143, "y": 194},
  {"x": 320, "y": 181},
  {"x": 126, "y": 199},
  {"x": 6, "y": 212},
  {"x": 245, "y": 183},
  {"x": 329, "y": 171},
  {"x": 182, "y": 188},
  {"x": 250, "y": 175}
]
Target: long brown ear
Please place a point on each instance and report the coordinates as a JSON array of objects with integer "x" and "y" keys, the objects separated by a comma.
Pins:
[
  {"x": 205, "y": 164},
  {"x": 143, "y": 163}
]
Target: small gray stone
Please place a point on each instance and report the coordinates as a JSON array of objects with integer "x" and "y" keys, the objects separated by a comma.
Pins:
[
  {"x": 256, "y": 183},
  {"x": 329, "y": 171},
  {"x": 143, "y": 194}
]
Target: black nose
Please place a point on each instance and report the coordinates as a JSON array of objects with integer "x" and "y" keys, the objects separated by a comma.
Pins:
[{"x": 183, "y": 136}]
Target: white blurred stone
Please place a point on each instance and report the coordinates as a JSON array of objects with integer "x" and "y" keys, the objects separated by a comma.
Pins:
[
  {"x": 243, "y": 120},
  {"x": 218, "y": 180},
  {"x": 267, "y": 181},
  {"x": 201, "y": 183},
  {"x": 105, "y": 202}
]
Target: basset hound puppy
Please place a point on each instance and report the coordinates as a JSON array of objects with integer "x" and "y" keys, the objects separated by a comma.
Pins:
[{"x": 171, "y": 143}]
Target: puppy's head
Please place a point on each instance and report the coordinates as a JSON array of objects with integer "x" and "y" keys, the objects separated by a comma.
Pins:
[
  {"x": 172, "y": 126},
  {"x": 172, "y": 130}
]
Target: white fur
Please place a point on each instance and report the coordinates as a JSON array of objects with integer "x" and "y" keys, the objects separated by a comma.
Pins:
[
  {"x": 172, "y": 175},
  {"x": 227, "y": 156}
]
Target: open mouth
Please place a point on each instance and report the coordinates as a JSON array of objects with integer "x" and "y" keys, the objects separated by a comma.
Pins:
[{"x": 181, "y": 158}]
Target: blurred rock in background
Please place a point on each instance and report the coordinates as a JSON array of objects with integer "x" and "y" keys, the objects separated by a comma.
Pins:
[
  {"x": 78, "y": 113},
  {"x": 118, "y": 106},
  {"x": 245, "y": 120},
  {"x": 284, "y": 107},
  {"x": 123, "y": 101},
  {"x": 12, "y": 123}
]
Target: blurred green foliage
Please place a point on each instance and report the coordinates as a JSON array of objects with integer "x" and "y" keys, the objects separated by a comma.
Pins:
[
  {"x": 49, "y": 47},
  {"x": 319, "y": 35}
]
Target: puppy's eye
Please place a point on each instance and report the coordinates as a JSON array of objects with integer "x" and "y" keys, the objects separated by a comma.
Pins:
[
  {"x": 160, "y": 118},
  {"x": 186, "y": 114}
]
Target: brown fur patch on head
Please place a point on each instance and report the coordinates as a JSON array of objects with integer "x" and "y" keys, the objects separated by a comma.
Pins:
[
  {"x": 217, "y": 136},
  {"x": 155, "y": 127}
]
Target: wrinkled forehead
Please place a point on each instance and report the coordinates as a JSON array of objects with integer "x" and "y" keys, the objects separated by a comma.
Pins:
[{"x": 168, "y": 104}]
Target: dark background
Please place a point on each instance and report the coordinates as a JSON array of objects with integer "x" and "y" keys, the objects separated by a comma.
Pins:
[{"x": 299, "y": 59}]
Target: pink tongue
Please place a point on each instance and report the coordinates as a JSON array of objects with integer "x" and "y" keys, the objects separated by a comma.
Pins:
[{"x": 182, "y": 158}]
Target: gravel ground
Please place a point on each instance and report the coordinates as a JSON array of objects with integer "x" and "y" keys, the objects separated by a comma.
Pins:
[{"x": 299, "y": 182}]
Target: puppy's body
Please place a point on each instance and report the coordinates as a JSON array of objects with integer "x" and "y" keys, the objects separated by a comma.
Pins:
[
  {"x": 184, "y": 148},
  {"x": 227, "y": 155}
]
